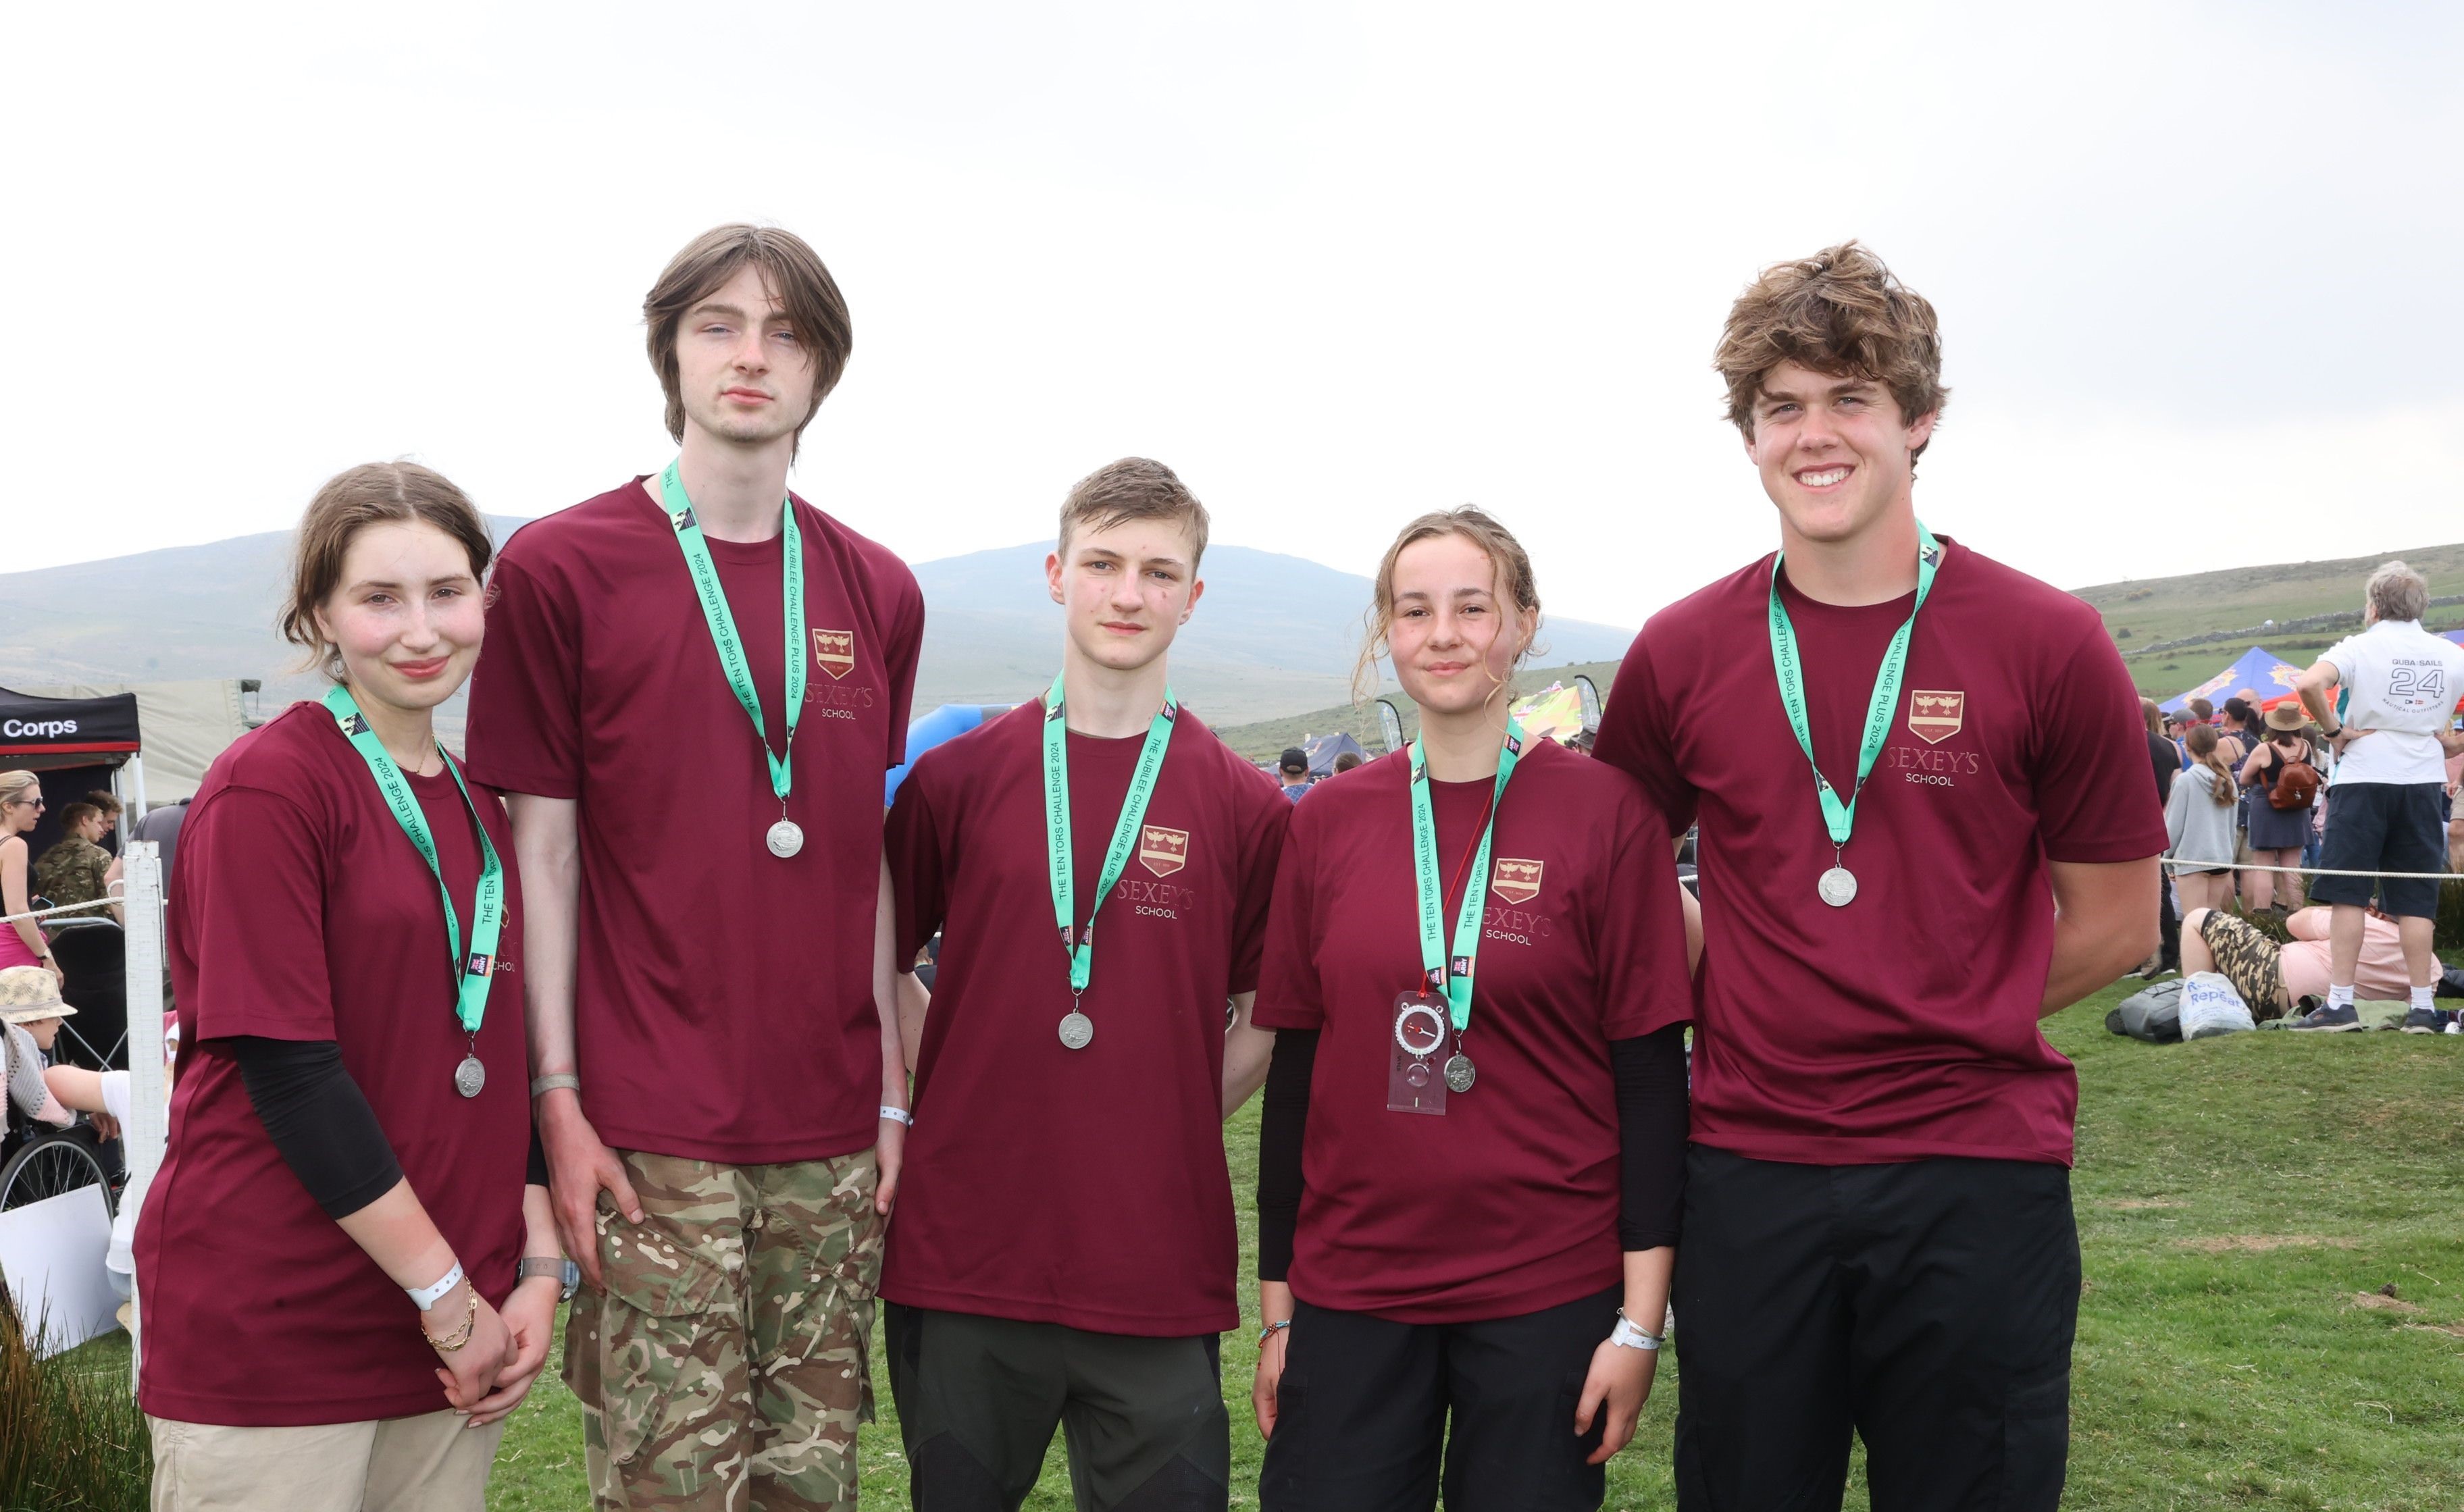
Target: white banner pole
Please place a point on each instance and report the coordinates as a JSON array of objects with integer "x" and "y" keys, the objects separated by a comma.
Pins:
[{"x": 149, "y": 1110}]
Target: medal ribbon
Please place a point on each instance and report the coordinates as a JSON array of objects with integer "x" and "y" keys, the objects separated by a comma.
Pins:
[
  {"x": 1840, "y": 818},
  {"x": 1079, "y": 942},
  {"x": 471, "y": 975},
  {"x": 1454, "y": 971},
  {"x": 722, "y": 622}
]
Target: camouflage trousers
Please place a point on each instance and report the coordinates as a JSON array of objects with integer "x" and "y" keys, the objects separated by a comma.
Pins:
[{"x": 726, "y": 1365}]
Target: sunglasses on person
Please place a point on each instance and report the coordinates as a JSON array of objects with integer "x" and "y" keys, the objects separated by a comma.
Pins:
[{"x": 27, "y": 802}]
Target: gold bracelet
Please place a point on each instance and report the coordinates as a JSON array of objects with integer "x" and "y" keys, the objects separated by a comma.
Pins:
[{"x": 460, "y": 1336}]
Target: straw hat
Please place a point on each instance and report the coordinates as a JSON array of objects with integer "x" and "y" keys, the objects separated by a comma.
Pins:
[
  {"x": 28, "y": 993},
  {"x": 2287, "y": 716}
]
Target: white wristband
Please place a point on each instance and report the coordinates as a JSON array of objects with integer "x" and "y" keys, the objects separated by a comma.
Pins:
[
  {"x": 898, "y": 1115},
  {"x": 1626, "y": 1336},
  {"x": 426, "y": 1297}
]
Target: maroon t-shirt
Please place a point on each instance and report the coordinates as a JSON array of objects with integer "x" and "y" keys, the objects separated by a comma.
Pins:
[
  {"x": 304, "y": 912},
  {"x": 1507, "y": 1203},
  {"x": 723, "y": 1001},
  {"x": 1078, "y": 1186},
  {"x": 1902, "y": 1025}
]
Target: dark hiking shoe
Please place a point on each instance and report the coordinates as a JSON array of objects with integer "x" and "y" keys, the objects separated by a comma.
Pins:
[
  {"x": 2424, "y": 1020},
  {"x": 2331, "y": 1020}
]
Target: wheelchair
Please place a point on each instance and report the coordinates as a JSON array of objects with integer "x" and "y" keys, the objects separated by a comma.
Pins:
[{"x": 38, "y": 1161}]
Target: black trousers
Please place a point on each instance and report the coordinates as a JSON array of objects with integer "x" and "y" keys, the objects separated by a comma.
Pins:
[
  {"x": 1928, "y": 1306},
  {"x": 978, "y": 1398},
  {"x": 2168, "y": 926},
  {"x": 1361, "y": 1416}
]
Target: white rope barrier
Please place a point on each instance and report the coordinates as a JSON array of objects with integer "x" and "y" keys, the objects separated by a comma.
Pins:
[
  {"x": 2317, "y": 871},
  {"x": 119, "y": 890}
]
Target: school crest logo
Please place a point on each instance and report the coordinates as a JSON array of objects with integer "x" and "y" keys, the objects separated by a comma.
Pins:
[
  {"x": 1517, "y": 882},
  {"x": 1933, "y": 716},
  {"x": 1163, "y": 851},
  {"x": 834, "y": 651}
]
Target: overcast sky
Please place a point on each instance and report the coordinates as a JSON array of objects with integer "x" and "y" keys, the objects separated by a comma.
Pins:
[{"x": 2198, "y": 266}]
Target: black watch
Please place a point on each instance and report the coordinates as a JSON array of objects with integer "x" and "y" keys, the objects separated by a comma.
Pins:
[{"x": 566, "y": 1273}]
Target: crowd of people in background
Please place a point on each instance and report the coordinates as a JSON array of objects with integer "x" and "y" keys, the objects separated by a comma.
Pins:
[{"x": 2256, "y": 793}]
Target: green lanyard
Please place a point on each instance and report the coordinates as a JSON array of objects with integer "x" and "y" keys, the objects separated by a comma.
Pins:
[
  {"x": 1839, "y": 817},
  {"x": 474, "y": 973},
  {"x": 723, "y": 624},
  {"x": 1077, "y": 1029},
  {"x": 1454, "y": 971}
]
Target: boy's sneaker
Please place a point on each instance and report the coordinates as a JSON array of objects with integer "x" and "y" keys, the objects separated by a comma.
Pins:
[
  {"x": 2424, "y": 1020},
  {"x": 2332, "y": 1019}
]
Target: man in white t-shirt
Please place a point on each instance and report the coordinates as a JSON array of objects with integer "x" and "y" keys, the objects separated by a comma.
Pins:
[{"x": 2393, "y": 690}]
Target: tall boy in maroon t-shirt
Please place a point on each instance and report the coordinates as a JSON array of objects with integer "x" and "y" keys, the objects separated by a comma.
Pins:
[
  {"x": 693, "y": 684},
  {"x": 1065, "y": 1251},
  {"x": 1923, "y": 828}
]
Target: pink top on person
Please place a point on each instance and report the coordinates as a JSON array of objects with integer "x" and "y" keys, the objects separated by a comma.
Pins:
[{"x": 2382, "y": 976}]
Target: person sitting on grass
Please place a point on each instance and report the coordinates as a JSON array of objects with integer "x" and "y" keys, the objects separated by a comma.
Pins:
[{"x": 2291, "y": 979}]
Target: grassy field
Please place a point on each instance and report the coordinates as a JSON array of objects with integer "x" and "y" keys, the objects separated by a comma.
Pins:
[
  {"x": 2244, "y": 1206},
  {"x": 2241, "y": 1204}
]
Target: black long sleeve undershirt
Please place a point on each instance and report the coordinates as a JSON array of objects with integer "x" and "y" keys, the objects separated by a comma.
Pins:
[
  {"x": 1283, "y": 1118},
  {"x": 1651, "y": 1101},
  {"x": 321, "y": 1123},
  {"x": 319, "y": 1119}
]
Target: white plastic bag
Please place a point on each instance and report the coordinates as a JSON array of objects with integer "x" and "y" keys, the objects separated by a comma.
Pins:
[{"x": 2209, "y": 1006}]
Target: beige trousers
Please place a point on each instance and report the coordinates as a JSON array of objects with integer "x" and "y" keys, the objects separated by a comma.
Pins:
[{"x": 428, "y": 1464}]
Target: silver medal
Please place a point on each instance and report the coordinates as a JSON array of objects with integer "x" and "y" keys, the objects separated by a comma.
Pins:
[
  {"x": 469, "y": 1075},
  {"x": 787, "y": 838},
  {"x": 1460, "y": 1074},
  {"x": 1837, "y": 887},
  {"x": 1077, "y": 1030}
]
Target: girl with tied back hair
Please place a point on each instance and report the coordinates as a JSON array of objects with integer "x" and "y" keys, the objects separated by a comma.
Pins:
[
  {"x": 1473, "y": 1142},
  {"x": 2199, "y": 823},
  {"x": 329, "y": 1254}
]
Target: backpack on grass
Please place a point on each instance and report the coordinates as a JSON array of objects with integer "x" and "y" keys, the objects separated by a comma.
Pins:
[{"x": 2153, "y": 1014}]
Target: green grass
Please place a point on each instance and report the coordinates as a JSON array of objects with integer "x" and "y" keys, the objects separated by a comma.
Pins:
[{"x": 2236, "y": 1198}]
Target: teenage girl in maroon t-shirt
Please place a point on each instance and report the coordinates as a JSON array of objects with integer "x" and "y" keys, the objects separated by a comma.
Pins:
[
  {"x": 1467, "y": 1205},
  {"x": 328, "y": 1258}
]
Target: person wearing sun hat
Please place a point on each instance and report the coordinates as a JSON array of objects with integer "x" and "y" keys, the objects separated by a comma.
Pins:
[
  {"x": 30, "y": 1010},
  {"x": 2279, "y": 818}
]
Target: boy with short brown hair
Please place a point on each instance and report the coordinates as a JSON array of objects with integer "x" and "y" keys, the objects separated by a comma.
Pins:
[
  {"x": 1064, "y": 1251},
  {"x": 1878, "y": 1235}
]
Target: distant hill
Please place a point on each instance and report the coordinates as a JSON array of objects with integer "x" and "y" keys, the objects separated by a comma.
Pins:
[
  {"x": 1274, "y": 633},
  {"x": 2235, "y": 606},
  {"x": 1266, "y": 738}
]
